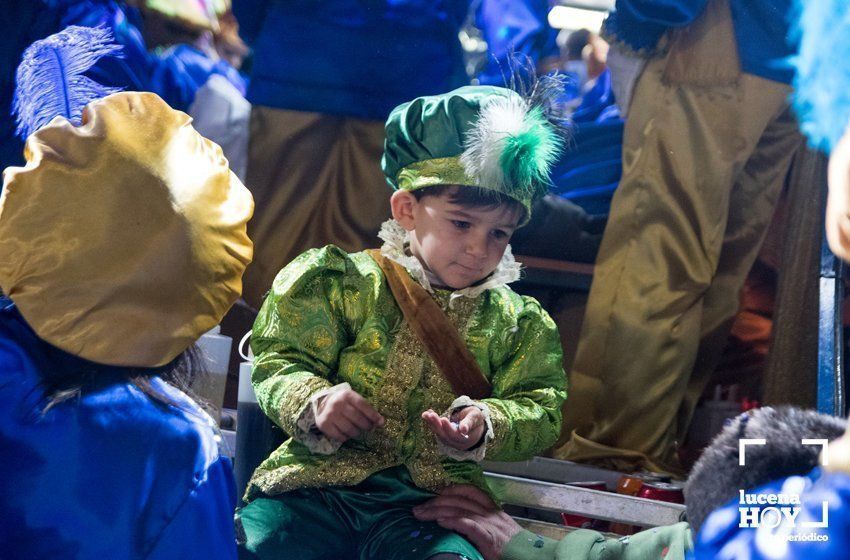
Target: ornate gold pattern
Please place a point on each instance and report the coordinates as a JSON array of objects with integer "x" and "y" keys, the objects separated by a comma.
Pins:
[
  {"x": 431, "y": 172},
  {"x": 364, "y": 341}
]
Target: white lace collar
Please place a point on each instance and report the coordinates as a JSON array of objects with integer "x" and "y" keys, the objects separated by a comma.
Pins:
[{"x": 397, "y": 239}]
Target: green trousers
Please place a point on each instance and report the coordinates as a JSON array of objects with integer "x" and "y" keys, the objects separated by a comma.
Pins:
[{"x": 372, "y": 520}]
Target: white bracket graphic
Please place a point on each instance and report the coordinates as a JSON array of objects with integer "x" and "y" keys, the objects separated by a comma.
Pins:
[
  {"x": 824, "y": 443},
  {"x": 743, "y": 443}
]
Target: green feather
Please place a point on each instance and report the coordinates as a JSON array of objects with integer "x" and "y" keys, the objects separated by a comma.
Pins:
[{"x": 528, "y": 156}]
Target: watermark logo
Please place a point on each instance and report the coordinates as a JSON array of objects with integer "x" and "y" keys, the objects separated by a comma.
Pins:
[{"x": 772, "y": 510}]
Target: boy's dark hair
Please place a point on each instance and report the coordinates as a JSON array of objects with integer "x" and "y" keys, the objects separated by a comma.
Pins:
[
  {"x": 717, "y": 477},
  {"x": 472, "y": 197}
]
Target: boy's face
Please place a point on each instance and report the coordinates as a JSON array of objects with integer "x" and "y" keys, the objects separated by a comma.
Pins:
[{"x": 457, "y": 244}]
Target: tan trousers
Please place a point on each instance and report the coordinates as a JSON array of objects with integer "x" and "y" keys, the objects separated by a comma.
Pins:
[
  {"x": 316, "y": 179},
  {"x": 705, "y": 154}
]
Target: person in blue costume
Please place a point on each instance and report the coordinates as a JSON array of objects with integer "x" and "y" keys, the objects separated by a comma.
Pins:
[
  {"x": 816, "y": 527},
  {"x": 183, "y": 69},
  {"x": 324, "y": 78},
  {"x": 124, "y": 240},
  {"x": 707, "y": 144},
  {"x": 180, "y": 65},
  {"x": 175, "y": 75}
]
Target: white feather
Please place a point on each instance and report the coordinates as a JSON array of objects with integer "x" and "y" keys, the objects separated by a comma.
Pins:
[{"x": 498, "y": 119}]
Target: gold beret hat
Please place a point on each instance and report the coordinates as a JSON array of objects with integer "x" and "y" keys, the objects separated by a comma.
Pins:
[{"x": 124, "y": 239}]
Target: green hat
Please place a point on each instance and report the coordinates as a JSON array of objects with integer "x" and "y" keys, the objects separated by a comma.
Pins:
[{"x": 478, "y": 136}]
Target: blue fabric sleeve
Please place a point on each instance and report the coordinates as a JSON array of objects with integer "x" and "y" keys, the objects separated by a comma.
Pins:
[
  {"x": 822, "y": 83},
  {"x": 641, "y": 23},
  {"x": 513, "y": 26},
  {"x": 250, "y": 14},
  {"x": 203, "y": 526},
  {"x": 179, "y": 72},
  {"x": 669, "y": 13}
]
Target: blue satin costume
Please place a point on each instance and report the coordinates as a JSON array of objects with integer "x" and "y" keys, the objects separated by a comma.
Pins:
[
  {"x": 110, "y": 474},
  {"x": 721, "y": 537},
  {"x": 393, "y": 50},
  {"x": 589, "y": 171}
]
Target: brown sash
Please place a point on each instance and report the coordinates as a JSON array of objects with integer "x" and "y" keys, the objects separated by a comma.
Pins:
[{"x": 434, "y": 329}]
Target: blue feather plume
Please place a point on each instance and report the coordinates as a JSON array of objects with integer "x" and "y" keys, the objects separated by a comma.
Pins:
[
  {"x": 50, "y": 81},
  {"x": 822, "y": 84}
]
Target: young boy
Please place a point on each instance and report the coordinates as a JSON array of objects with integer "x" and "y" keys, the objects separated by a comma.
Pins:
[{"x": 343, "y": 366}]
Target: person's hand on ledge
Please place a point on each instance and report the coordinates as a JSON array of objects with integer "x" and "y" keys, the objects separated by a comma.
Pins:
[
  {"x": 838, "y": 202},
  {"x": 469, "y": 511}
]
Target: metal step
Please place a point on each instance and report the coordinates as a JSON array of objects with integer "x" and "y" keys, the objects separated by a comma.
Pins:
[
  {"x": 554, "y": 470},
  {"x": 607, "y": 506}
]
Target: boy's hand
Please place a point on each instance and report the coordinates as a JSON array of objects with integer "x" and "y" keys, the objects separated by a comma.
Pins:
[
  {"x": 345, "y": 414},
  {"x": 464, "y": 430}
]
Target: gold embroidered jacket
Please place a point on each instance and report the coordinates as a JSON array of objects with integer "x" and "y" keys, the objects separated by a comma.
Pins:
[{"x": 331, "y": 318}]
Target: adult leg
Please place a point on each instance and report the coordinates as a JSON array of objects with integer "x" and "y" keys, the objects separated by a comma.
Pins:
[
  {"x": 684, "y": 148},
  {"x": 751, "y": 208},
  {"x": 316, "y": 179}
]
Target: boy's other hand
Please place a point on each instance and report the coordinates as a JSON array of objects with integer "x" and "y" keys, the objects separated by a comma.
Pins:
[
  {"x": 463, "y": 431},
  {"x": 345, "y": 414}
]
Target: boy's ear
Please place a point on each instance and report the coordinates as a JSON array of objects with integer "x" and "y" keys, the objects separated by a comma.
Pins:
[{"x": 402, "y": 204}]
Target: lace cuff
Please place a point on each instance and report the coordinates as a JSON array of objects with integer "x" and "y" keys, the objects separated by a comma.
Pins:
[
  {"x": 307, "y": 431},
  {"x": 476, "y": 453}
]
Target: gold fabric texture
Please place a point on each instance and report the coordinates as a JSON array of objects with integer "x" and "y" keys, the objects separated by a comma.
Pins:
[
  {"x": 124, "y": 239},
  {"x": 703, "y": 167},
  {"x": 331, "y": 318},
  {"x": 444, "y": 171},
  {"x": 316, "y": 180},
  {"x": 431, "y": 172}
]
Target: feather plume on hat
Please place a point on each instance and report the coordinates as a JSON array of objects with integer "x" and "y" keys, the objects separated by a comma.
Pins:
[
  {"x": 124, "y": 236},
  {"x": 501, "y": 139},
  {"x": 517, "y": 140},
  {"x": 50, "y": 80}
]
